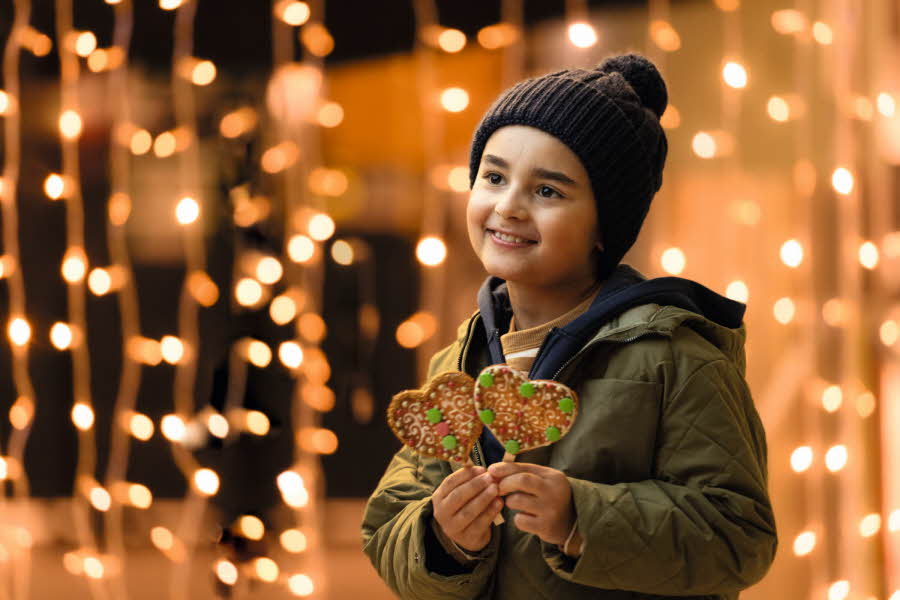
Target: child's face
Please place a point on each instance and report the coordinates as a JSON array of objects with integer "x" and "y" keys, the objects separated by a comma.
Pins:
[{"x": 532, "y": 186}]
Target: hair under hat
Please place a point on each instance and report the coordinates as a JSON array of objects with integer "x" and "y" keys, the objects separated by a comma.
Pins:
[{"x": 609, "y": 117}]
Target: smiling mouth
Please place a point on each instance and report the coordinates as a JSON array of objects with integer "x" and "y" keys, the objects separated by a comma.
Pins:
[{"x": 509, "y": 239}]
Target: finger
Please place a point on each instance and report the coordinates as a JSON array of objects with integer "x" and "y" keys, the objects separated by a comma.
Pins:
[
  {"x": 525, "y": 503},
  {"x": 474, "y": 507},
  {"x": 505, "y": 469},
  {"x": 528, "y": 523},
  {"x": 464, "y": 492},
  {"x": 455, "y": 479},
  {"x": 522, "y": 482},
  {"x": 483, "y": 521}
]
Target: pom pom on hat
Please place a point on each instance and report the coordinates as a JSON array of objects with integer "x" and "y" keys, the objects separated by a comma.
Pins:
[{"x": 643, "y": 77}]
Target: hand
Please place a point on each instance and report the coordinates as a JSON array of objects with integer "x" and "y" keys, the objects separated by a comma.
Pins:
[
  {"x": 465, "y": 504},
  {"x": 543, "y": 496}
]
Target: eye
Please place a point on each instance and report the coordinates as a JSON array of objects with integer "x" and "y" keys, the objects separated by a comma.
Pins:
[
  {"x": 545, "y": 191},
  {"x": 493, "y": 178}
]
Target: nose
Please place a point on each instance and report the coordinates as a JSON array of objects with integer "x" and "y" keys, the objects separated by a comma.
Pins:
[{"x": 510, "y": 206}]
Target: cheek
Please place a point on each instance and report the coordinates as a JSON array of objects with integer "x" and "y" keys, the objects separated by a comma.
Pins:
[{"x": 477, "y": 211}]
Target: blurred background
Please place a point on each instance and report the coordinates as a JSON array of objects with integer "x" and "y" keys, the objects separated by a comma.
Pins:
[{"x": 231, "y": 231}]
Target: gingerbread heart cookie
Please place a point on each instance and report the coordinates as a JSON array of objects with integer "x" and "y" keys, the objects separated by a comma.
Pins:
[
  {"x": 440, "y": 420},
  {"x": 523, "y": 414}
]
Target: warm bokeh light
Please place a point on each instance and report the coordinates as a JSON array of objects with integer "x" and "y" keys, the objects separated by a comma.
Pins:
[
  {"x": 85, "y": 43},
  {"x": 778, "y": 109},
  {"x": 256, "y": 422},
  {"x": 269, "y": 270},
  {"x": 582, "y": 35},
  {"x": 317, "y": 39},
  {"x": 202, "y": 288},
  {"x": 792, "y": 253},
  {"x": 203, "y": 73},
  {"x": 74, "y": 265},
  {"x": 19, "y": 331},
  {"x": 839, "y": 590},
  {"x": 301, "y": 585},
  {"x": 454, "y": 99},
  {"x": 804, "y": 543},
  {"x": 82, "y": 416},
  {"x": 728, "y": 5},
  {"x": 789, "y": 21},
  {"x": 140, "y": 426},
  {"x": 410, "y": 334},
  {"x": 737, "y": 290},
  {"x": 251, "y": 527},
  {"x": 172, "y": 349},
  {"x": 321, "y": 227},
  {"x": 318, "y": 397},
  {"x": 119, "y": 208},
  {"x": 784, "y": 310},
  {"x": 293, "y": 540},
  {"x": 318, "y": 440},
  {"x": 823, "y": 33},
  {"x": 282, "y": 309},
  {"x": 301, "y": 248},
  {"x": 21, "y": 412},
  {"x": 330, "y": 114},
  {"x": 292, "y": 488},
  {"x": 865, "y": 404},
  {"x": 312, "y": 327},
  {"x": 886, "y": 104},
  {"x": 170, "y": 4},
  {"x": 870, "y": 525},
  {"x": 217, "y": 425},
  {"x": 498, "y": 35},
  {"x": 266, "y": 569},
  {"x": 248, "y": 291},
  {"x": 801, "y": 458},
  {"x": 665, "y": 36},
  {"x": 458, "y": 179},
  {"x": 431, "y": 251},
  {"x": 673, "y": 261},
  {"x": 187, "y": 210},
  {"x": 833, "y": 312},
  {"x": 704, "y": 145},
  {"x": 226, "y": 572},
  {"x": 100, "y": 498},
  {"x": 894, "y": 521},
  {"x": 842, "y": 181},
  {"x": 206, "y": 481},
  {"x": 836, "y": 458},
  {"x": 93, "y": 567},
  {"x": 139, "y": 496},
  {"x": 70, "y": 124},
  {"x": 832, "y": 398},
  {"x": 238, "y": 122},
  {"x": 141, "y": 142},
  {"x": 162, "y": 538},
  {"x": 61, "y": 336},
  {"x": 868, "y": 255},
  {"x": 7, "y": 262},
  {"x": 164, "y": 144},
  {"x": 292, "y": 12},
  {"x": 99, "y": 281},
  {"x": 452, "y": 40},
  {"x": 342, "y": 252},
  {"x": 671, "y": 118},
  {"x": 54, "y": 186},
  {"x": 173, "y": 428},
  {"x": 889, "y": 332},
  {"x": 259, "y": 354},
  {"x": 735, "y": 75},
  {"x": 144, "y": 350},
  {"x": 290, "y": 354}
]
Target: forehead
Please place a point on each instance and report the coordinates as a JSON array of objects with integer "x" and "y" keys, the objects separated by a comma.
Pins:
[{"x": 525, "y": 146}]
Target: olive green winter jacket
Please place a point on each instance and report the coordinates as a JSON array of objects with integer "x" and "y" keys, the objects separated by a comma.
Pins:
[{"x": 667, "y": 463}]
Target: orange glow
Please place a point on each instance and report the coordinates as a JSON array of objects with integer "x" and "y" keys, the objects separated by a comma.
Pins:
[
  {"x": 290, "y": 354},
  {"x": 226, "y": 572},
  {"x": 321, "y": 227},
  {"x": 431, "y": 251},
  {"x": 735, "y": 75},
  {"x": 870, "y": 525},
  {"x": 82, "y": 416},
  {"x": 452, "y": 40},
  {"x": 119, "y": 208},
  {"x": 865, "y": 404},
  {"x": 187, "y": 211},
  {"x": 327, "y": 182},
  {"x": 317, "y": 39},
  {"x": 410, "y": 334},
  {"x": 301, "y": 585},
  {"x": 671, "y": 118},
  {"x": 833, "y": 312},
  {"x": 162, "y": 538},
  {"x": 164, "y": 145},
  {"x": 839, "y": 590},
  {"x": 738, "y": 290},
  {"x": 21, "y": 412},
  {"x": 801, "y": 459},
  {"x": 792, "y": 253},
  {"x": 312, "y": 327},
  {"x": 70, "y": 124},
  {"x": 823, "y": 33},
  {"x": 301, "y": 249},
  {"x": 202, "y": 288},
  {"x": 832, "y": 398},
  {"x": 728, "y": 5},
  {"x": 315, "y": 366},
  {"x": 269, "y": 270},
  {"x": 330, "y": 114},
  {"x": 665, "y": 36},
  {"x": 256, "y": 422},
  {"x": 342, "y": 252},
  {"x": 836, "y": 458},
  {"x": 889, "y": 332},
  {"x": 217, "y": 425},
  {"x": 144, "y": 350},
  {"x": 19, "y": 331},
  {"x": 582, "y": 35},
  {"x": 318, "y": 397},
  {"x": 83, "y": 42},
  {"x": 74, "y": 265},
  {"x": 206, "y": 481},
  {"x": 266, "y": 569},
  {"x": 55, "y": 186},
  {"x": 784, "y": 310},
  {"x": 173, "y": 428},
  {"x": 238, "y": 122},
  {"x": 318, "y": 440},
  {"x": 248, "y": 292},
  {"x": 454, "y": 99},
  {"x": 280, "y": 157},
  {"x": 498, "y": 36},
  {"x": 258, "y": 353},
  {"x": 292, "y": 12},
  {"x": 293, "y": 540},
  {"x": 172, "y": 349},
  {"x": 868, "y": 255},
  {"x": 789, "y": 21},
  {"x": 140, "y": 426},
  {"x": 804, "y": 543},
  {"x": 251, "y": 527}
]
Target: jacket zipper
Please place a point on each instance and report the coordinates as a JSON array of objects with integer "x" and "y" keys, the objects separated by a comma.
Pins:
[{"x": 585, "y": 349}]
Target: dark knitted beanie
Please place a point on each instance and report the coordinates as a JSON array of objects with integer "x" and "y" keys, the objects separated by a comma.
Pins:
[{"x": 609, "y": 117}]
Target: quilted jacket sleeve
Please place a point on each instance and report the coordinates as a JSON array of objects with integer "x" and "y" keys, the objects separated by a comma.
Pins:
[
  {"x": 704, "y": 523},
  {"x": 394, "y": 529}
]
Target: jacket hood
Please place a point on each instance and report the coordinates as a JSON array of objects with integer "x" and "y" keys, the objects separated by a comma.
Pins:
[{"x": 617, "y": 308}]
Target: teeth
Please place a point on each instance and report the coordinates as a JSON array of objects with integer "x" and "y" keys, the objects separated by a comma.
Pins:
[{"x": 510, "y": 238}]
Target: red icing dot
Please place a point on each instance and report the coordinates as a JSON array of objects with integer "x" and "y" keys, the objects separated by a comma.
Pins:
[{"x": 442, "y": 428}]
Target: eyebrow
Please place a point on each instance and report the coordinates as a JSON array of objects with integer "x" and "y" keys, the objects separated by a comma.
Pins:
[{"x": 537, "y": 171}]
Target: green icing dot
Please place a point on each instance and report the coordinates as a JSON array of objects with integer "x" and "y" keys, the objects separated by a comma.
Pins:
[
  {"x": 449, "y": 442},
  {"x": 434, "y": 415},
  {"x": 486, "y": 379},
  {"x": 486, "y": 416},
  {"x": 512, "y": 446},
  {"x": 552, "y": 433},
  {"x": 527, "y": 389},
  {"x": 566, "y": 405}
]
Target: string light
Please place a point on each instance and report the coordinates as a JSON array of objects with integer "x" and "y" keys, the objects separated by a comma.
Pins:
[
  {"x": 452, "y": 40},
  {"x": 865, "y": 404},
  {"x": 19, "y": 331},
  {"x": 290, "y": 354},
  {"x": 54, "y": 186},
  {"x": 172, "y": 349},
  {"x": 248, "y": 292},
  {"x": 292, "y": 489},
  {"x": 187, "y": 211},
  {"x": 170, "y": 4},
  {"x": 894, "y": 521},
  {"x": 839, "y": 590},
  {"x": 266, "y": 569},
  {"x": 784, "y": 310},
  {"x": 85, "y": 43},
  {"x": 889, "y": 332},
  {"x": 300, "y": 248},
  {"x": 342, "y": 252},
  {"x": 293, "y": 13},
  {"x": 218, "y": 425},
  {"x": 804, "y": 543},
  {"x": 173, "y": 428},
  {"x": 317, "y": 39},
  {"x": 282, "y": 309},
  {"x": 582, "y": 35},
  {"x": 269, "y": 270},
  {"x": 312, "y": 328},
  {"x": 279, "y": 157},
  {"x": 202, "y": 288},
  {"x": 870, "y": 525},
  {"x": 789, "y": 21},
  {"x": 836, "y": 458},
  {"x": 665, "y": 36},
  {"x": 206, "y": 481},
  {"x": 139, "y": 496},
  {"x": 256, "y": 422},
  {"x": 82, "y": 416},
  {"x": 330, "y": 114},
  {"x": 822, "y": 33},
  {"x": 203, "y": 73},
  {"x": 164, "y": 144},
  {"x": 792, "y": 253},
  {"x": 301, "y": 585},
  {"x": 842, "y": 181},
  {"x": 251, "y": 527},
  {"x": 454, "y": 99},
  {"x": 70, "y": 124},
  {"x": 735, "y": 75},
  {"x": 671, "y": 118},
  {"x": 321, "y": 227},
  {"x": 100, "y": 498},
  {"x": 226, "y": 572},
  {"x": 801, "y": 459},
  {"x": 99, "y": 281},
  {"x": 737, "y": 290},
  {"x": 293, "y": 540},
  {"x": 431, "y": 251},
  {"x": 868, "y": 255},
  {"x": 673, "y": 261},
  {"x": 498, "y": 35},
  {"x": 259, "y": 354},
  {"x": 61, "y": 336},
  {"x": 832, "y": 398},
  {"x": 887, "y": 106},
  {"x": 139, "y": 425}
]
